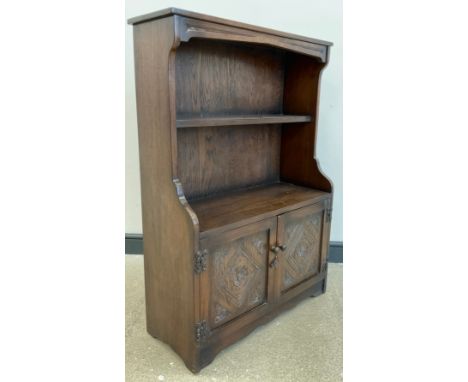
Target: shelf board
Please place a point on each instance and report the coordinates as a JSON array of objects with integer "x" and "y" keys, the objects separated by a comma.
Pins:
[
  {"x": 241, "y": 120},
  {"x": 234, "y": 209}
]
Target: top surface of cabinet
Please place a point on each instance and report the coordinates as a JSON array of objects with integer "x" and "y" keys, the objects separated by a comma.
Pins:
[{"x": 199, "y": 16}]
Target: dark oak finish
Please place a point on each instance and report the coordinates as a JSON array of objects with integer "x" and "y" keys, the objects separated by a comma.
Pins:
[
  {"x": 215, "y": 78},
  {"x": 193, "y": 28},
  {"x": 230, "y": 210},
  {"x": 167, "y": 219},
  {"x": 301, "y": 95},
  {"x": 237, "y": 281},
  {"x": 242, "y": 26},
  {"x": 236, "y": 212},
  {"x": 213, "y": 159},
  {"x": 302, "y": 233},
  {"x": 241, "y": 120}
]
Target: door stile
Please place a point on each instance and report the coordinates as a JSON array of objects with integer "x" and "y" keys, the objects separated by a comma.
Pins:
[
  {"x": 325, "y": 245},
  {"x": 204, "y": 288},
  {"x": 278, "y": 272},
  {"x": 273, "y": 265}
]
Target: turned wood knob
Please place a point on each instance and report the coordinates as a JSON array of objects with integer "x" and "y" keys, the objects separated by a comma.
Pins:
[
  {"x": 275, "y": 249},
  {"x": 283, "y": 247}
]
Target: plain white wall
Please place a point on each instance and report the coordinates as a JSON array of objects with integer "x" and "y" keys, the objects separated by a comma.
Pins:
[{"x": 320, "y": 19}]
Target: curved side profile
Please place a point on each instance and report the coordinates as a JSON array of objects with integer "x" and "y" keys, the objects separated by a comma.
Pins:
[
  {"x": 301, "y": 95},
  {"x": 169, "y": 230}
]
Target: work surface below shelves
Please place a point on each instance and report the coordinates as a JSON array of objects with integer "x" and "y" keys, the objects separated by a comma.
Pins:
[{"x": 242, "y": 207}]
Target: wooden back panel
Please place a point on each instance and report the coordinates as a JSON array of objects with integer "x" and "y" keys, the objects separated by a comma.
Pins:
[
  {"x": 215, "y": 78},
  {"x": 216, "y": 159},
  {"x": 221, "y": 78}
]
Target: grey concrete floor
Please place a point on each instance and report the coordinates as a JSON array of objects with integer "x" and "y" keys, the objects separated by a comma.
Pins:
[{"x": 303, "y": 344}]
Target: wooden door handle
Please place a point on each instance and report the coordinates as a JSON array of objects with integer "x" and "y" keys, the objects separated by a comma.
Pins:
[{"x": 274, "y": 262}]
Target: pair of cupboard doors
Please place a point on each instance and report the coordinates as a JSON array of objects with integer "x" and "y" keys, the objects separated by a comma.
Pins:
[{"x": 248, "y": 271}]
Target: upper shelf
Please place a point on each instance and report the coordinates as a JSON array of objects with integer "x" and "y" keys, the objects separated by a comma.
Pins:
[{"x": 241, "y": 120}]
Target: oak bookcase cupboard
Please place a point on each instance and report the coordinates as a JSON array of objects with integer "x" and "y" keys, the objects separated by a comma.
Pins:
[{"x": 236, "y": 212}]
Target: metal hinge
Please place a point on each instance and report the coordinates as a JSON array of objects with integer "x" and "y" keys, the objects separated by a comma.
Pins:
[
  {"x": 324, "y": 267},
  {"x": 200, "y": 261},
  {"x": 201, "y": 331},
  {"x": 328, "y": 214}
]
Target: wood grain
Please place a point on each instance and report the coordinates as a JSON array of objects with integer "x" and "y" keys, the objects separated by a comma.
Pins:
[
  {"x": 244, "y": 287},
  {"x": 217, "y": 20},
  {"x": 168, "y": 268},
  {"x": 235, "y": 207},
  {"x": 301, "y": 96},
  {"x": 239, "y": 277},
  {"x": 245, "y": 206},
  {"x": 192, "y": 29},
  {"x": 301, "y": 258},
  {"x": 242, "y": 120},
  {"x": 213, "y": 160},
  {"x": 302, "y": 233},
  {"x": 219, "y": 79}
]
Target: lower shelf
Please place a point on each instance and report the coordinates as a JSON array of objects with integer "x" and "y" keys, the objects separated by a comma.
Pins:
[{"x": 234, "y": 209}]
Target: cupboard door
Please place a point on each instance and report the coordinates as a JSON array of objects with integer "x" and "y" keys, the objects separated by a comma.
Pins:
[
  {"x": 302, "y": 235},
  {"x": 236, "y": 279}
]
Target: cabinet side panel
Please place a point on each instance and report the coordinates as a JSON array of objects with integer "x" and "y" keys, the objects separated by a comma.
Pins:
[
  {"x": 168, "y": 230},
  {"x": 301, "y": 96}
]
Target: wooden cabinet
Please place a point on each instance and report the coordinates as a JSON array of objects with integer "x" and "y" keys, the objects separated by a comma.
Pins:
[{"x": 236, "y": 212}]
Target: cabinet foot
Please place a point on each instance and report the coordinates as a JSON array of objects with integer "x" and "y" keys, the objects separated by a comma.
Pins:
[
  {"x": 203, "y": 357},
  {"x": 324, "y": 286},
  {"x": 318, "y": 288}
]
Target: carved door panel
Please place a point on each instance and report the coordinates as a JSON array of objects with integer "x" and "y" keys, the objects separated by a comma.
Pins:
[
  {"x": 303, "y": 237},
  {"x": 236, "y": 279}
]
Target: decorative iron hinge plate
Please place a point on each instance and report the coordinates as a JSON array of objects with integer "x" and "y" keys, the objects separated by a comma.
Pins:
[
  {"x": 201, "y": 331},
  {"x": 328, "y": 214},
  {"x": 200, "y": 261}
]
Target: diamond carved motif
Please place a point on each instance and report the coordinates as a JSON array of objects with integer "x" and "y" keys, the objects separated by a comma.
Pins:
[
  {"x": 239, "y": 278},
  {"x": 301, "y": 259}
]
